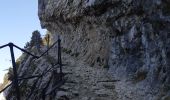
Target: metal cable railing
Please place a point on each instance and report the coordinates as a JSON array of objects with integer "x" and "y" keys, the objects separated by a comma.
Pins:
[{"x": 16, "y": 79}]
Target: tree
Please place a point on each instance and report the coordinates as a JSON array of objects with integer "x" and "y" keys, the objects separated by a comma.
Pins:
[
  {"x": 36, "y": 39},
  {"x": 27, "y": 45}
]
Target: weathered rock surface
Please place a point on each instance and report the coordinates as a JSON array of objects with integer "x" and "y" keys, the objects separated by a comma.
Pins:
[
  {"x": 127, "y": 40},
  {"x": 131, "y": 37}
]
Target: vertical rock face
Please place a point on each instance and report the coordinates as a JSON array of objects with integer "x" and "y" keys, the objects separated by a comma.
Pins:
[{"x": 131, "y": 37}]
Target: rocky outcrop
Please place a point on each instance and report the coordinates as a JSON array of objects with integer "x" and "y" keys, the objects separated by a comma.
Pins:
[
  {"x": 113, "y": 50},
  {"x": 131, "y": 37}
]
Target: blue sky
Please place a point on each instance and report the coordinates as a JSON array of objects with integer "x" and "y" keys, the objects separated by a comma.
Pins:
[{"x": 18, "y": 19}]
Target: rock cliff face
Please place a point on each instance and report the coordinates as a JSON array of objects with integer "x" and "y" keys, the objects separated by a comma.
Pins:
[
  {"x": 125, "y": 40},
  {"x": 130, "y": 37}
]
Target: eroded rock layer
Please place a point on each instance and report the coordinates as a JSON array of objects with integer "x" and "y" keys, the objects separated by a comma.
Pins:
[{"x": 131, "y": 37}]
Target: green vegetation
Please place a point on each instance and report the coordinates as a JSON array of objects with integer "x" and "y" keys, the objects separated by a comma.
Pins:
[
  {"x": 75, "y": 54},
  {"x": 10, "y": 74},
  {"x": 67, "y": 51},
  {"x": 27, "y": 45},
  {"x": 36, "y": 40}
]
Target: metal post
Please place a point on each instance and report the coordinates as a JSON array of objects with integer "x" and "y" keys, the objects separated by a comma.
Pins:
[
  {"x": 14, "y": 70},
  {"x": 59, "y": 56}
]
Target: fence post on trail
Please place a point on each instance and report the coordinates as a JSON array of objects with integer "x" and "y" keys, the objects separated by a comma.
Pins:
[
  {"x": 14, "y": 71},
  {"x": 59, "y": 57}
]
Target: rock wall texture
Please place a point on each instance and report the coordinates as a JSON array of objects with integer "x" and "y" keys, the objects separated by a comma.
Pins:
[
  {"x": 131, "y": 37},
  {"x": 123, "y": 40}
]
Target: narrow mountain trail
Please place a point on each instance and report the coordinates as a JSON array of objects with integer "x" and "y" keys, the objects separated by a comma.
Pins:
[{"x": 86, "y": 83}]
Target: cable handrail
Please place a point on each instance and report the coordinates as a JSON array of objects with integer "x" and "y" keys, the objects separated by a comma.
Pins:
[
  {"x": 6, "y": 87},
  {"x": 35, "y": 56},
  {"x": 47, "y": 50},
  {"x": 15, "y": 81},
  {"x": 4, "y": 45}
]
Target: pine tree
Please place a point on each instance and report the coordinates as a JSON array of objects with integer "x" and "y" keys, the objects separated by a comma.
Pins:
[
  {"x": 36, "y": 39},
  {"x": 27, "y": 45}
]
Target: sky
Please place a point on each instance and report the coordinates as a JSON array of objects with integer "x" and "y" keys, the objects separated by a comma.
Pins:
[{"x": 18, "y": 19}]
